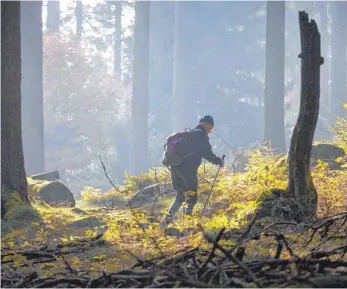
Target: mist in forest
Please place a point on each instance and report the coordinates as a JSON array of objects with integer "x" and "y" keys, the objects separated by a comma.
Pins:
[{"x": 232, "y": 60}]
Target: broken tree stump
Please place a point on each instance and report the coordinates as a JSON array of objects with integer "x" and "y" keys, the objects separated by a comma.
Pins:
[{"x": 300, "y": 183}]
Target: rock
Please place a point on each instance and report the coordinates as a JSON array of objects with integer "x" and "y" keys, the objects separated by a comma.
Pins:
[
  {"x": 53, "y": 193},
  {"x": 327, "y": 153}
]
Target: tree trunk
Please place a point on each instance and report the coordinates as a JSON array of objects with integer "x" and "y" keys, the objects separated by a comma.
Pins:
[
  {"x": 161, "y": 69},
  {"x": 338, "y": 60},
  {"x": 325, "y": 97},
  {"x": 79, "y": 18},
  {"x": 300, "y": 183},
  {"x": 32, "y": 95},
  {"x": 179, "y": 116},
  {"x": 325, "y": 114},
  {"x": 53, "y": 15},
  {"x": 139, "y": 132},
  {"x": 118, "y": 40},
  {"x": 274, "y": 76},
  {"x": 13, "y": 177}
]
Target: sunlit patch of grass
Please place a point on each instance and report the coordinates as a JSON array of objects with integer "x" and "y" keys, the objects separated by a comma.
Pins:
[{"x": 128, "y": 233}]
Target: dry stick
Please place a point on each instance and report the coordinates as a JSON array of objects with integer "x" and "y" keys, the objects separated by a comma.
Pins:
[
  {"x": 331, "y": 236},
  {"x": 213, "y": 184},
  {"x": 196, "y": 284},
  {"x": 213, "y": 250},
  {"x": 231, "y": 257},
  {"x": 326, "y": 223},
  {"x": 322, "y": 254},
  {"x": 288, "y": 248},
  {"x": 226, "y": 143},
  {"x": 258, "y": 234},
  {"x": 334, "y": 217},
  {"x": 184, "y": 280},
  {"x": 343, "y": 253},
  {"x": 56, "y": 282},
  {"x": 104, "y": 168}
]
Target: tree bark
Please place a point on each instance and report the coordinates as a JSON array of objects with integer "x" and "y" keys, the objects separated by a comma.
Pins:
[
  {"x": 13, "y": 176},
  {"x": 300, "y": 183},
  {"x": 161, "y": 69},
  {"x": 179, "y": 115},
  {"x": 274, "y": 76},
  {"x": 139, "y": 114},
  {"x": 325, "y": 115},
  {"x": 325, "y": 96},
  {"x": 32, "y": 94},
  {"x": 338, "y": 60},
  {"x": 79, "y": 18},
  {"x": 118, "y": 40},
  {"x": 53, "y": 15}
]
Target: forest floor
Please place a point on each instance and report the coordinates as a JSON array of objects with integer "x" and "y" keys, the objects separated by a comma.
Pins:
[{"x": 104, "y": 243}]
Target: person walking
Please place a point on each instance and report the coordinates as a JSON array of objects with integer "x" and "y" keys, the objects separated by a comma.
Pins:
[{"x": 184, "y": 176}]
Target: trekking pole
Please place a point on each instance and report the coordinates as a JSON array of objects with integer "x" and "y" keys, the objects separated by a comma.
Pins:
[{"x": 214, "y": 182}]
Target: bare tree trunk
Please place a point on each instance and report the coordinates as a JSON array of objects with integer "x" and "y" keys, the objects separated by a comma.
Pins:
[
  {"x": 179, "y": 117},
  {"x": 79, "y": 18},
  {"x": 13, "y": 176},
  {"x": 32, "y": 95},
  {"x": 274, "y": 76},
  {"x": 338, "y": 60},
  {"x": 139, "y": 114},
  {"x": 161, "y": 66},
  {"x": 325, "y": 97},
  {"x": 53, "y": 15},
  {"x": 118, "y": 40},
  {"x": 300, "y": 183}
]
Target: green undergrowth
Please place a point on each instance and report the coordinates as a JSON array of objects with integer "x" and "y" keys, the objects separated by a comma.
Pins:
[
  {"x": 128, "y": 233},
  {"x": 133, "y": 232}
]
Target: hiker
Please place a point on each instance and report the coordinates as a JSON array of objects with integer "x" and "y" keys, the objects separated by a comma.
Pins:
[{"x": 191, "y": 149}]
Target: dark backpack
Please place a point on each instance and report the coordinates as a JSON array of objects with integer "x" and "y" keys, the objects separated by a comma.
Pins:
[{"x": 171, "y": 157}]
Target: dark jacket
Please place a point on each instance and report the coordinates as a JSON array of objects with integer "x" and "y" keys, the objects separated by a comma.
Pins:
[{"x": 195, "y": 147}]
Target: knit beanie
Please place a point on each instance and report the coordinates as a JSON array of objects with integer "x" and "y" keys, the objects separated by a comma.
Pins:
[{"x": 207, "y": 119}]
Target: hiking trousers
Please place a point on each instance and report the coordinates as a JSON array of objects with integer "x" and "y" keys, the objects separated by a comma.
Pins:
[{"x": 185, "y": 184}]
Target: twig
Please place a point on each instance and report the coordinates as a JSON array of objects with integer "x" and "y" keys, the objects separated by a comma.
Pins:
[
  {"x": 56, "y": 282},
  {"x": 213, "y": 249},
  {"x": 230, "y": 256},
  {"x": 104, "y": 168}
]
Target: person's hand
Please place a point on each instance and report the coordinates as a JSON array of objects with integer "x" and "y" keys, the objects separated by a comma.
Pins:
[{"x": 220, "y": 162}]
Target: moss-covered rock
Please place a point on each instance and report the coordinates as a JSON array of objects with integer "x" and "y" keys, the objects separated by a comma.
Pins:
[
  {"x": 53, "y": 193},
  {"x": 327, "y": 153}
]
